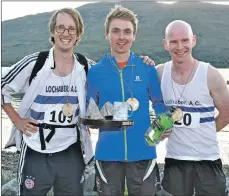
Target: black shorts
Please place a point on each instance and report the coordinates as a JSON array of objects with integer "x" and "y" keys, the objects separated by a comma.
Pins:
[
  {"x": 141, "y": 178},
  {"x": 38, "y": 172},
  {"x": 184, "y": 178}
]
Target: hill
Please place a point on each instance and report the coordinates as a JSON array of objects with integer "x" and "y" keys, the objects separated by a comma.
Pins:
[{"x": 210, "y": 23}]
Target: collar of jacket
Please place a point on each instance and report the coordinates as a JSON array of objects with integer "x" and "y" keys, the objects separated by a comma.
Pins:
[
  {"x": 50, "y": 62},
  {"x": 130, "y": 62}
]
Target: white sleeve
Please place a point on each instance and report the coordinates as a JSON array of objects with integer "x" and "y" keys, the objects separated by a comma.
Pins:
[{"x": 16, "y": 78}]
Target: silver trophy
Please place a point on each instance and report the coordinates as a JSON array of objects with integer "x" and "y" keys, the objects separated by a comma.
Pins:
[
  {"x": 107, "y": 111},
  {"x": 93, "y": 111},
  {"x": 110, "y": 115}
]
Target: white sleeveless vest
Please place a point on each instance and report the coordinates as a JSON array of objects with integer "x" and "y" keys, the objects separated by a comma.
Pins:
[{"x": 194, "y": 137}]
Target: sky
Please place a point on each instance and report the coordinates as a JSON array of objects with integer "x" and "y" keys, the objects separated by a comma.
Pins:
[{"x": 11, "y": 10}]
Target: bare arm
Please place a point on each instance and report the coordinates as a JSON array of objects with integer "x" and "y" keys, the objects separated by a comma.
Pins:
[
  {"x": 10, "y": 111},
  {"x": 220, "y": 94},
  {"x": 160, "y": 69}
]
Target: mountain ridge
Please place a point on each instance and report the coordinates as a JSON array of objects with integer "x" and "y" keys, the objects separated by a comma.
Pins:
[{"x": 29, "y": 34}]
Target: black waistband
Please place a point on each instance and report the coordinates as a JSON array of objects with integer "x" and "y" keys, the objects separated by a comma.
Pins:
[
  {"x": 51, "y": 126},
  {"x": 43, "y": 126}
]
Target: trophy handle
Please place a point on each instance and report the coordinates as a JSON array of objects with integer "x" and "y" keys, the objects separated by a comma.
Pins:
[{"x": 131, "y": 108}]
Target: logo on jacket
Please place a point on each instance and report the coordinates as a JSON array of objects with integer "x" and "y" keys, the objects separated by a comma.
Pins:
[
  {"x": 29, "y": 182},
  {"x": 137, "y": 79},
  {"x": 98, "y": 184}
]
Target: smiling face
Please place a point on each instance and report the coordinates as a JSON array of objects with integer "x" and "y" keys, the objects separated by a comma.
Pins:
[
  {"x": 65, "y": 33},
  {"x": 179, "y": 42},
  {"x": 120, "y": 36}
]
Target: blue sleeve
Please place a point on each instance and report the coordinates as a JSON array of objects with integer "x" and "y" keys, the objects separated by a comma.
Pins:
[
  {"x": 155, "y": 94},
  {"x": 92, "y": 91}
]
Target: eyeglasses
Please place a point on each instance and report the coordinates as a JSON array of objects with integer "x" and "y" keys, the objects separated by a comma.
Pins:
[{"x": 61, "y": 29}]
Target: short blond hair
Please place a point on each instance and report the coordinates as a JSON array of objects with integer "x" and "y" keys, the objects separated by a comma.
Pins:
[
  {"x": 121, "y": 12},
  {"x": 75, "y": 16}
]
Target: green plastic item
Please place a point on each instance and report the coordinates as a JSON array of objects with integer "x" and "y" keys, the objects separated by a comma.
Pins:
[{"x": 160, "y": 125}]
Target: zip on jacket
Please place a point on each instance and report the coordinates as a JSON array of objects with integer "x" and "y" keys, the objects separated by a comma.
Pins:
[
  {"x": 123, "y": 99},
  {"x": 107, "y": 83}
]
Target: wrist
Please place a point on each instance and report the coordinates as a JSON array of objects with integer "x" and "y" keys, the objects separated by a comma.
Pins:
[{"x": 15, "y": 119}]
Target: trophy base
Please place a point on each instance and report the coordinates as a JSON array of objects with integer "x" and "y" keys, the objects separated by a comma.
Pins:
[{"x": 100, "y": 123}]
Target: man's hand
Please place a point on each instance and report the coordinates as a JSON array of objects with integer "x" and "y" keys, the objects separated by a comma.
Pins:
[
  {"x": 166, "y": 134},
  {"x": 25, "y": 125},
  {"x": 147, "y": 60},
  {"x": 22, "y": 124},
  {"x": 93, "y": 126}
]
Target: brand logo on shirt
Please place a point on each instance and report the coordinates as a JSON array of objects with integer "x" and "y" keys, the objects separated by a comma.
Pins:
[
  {"x": 98, "y": 184},
  {"x": 137, "y": 79}
]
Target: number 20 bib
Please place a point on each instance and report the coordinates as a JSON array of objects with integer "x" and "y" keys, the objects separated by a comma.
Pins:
[{"x": 189, "y": 120}]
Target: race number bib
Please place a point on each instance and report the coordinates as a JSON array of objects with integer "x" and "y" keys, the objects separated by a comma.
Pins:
[
  {"x": 54, "y": 115},
  {"x": 189, "y": 120}
]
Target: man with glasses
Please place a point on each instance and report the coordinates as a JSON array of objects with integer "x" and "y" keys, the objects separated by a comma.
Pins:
[
  {"x": 45, "y": 128},
  {"x": 50, "y": 154},
  {"x": 61, "y": 29}
]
